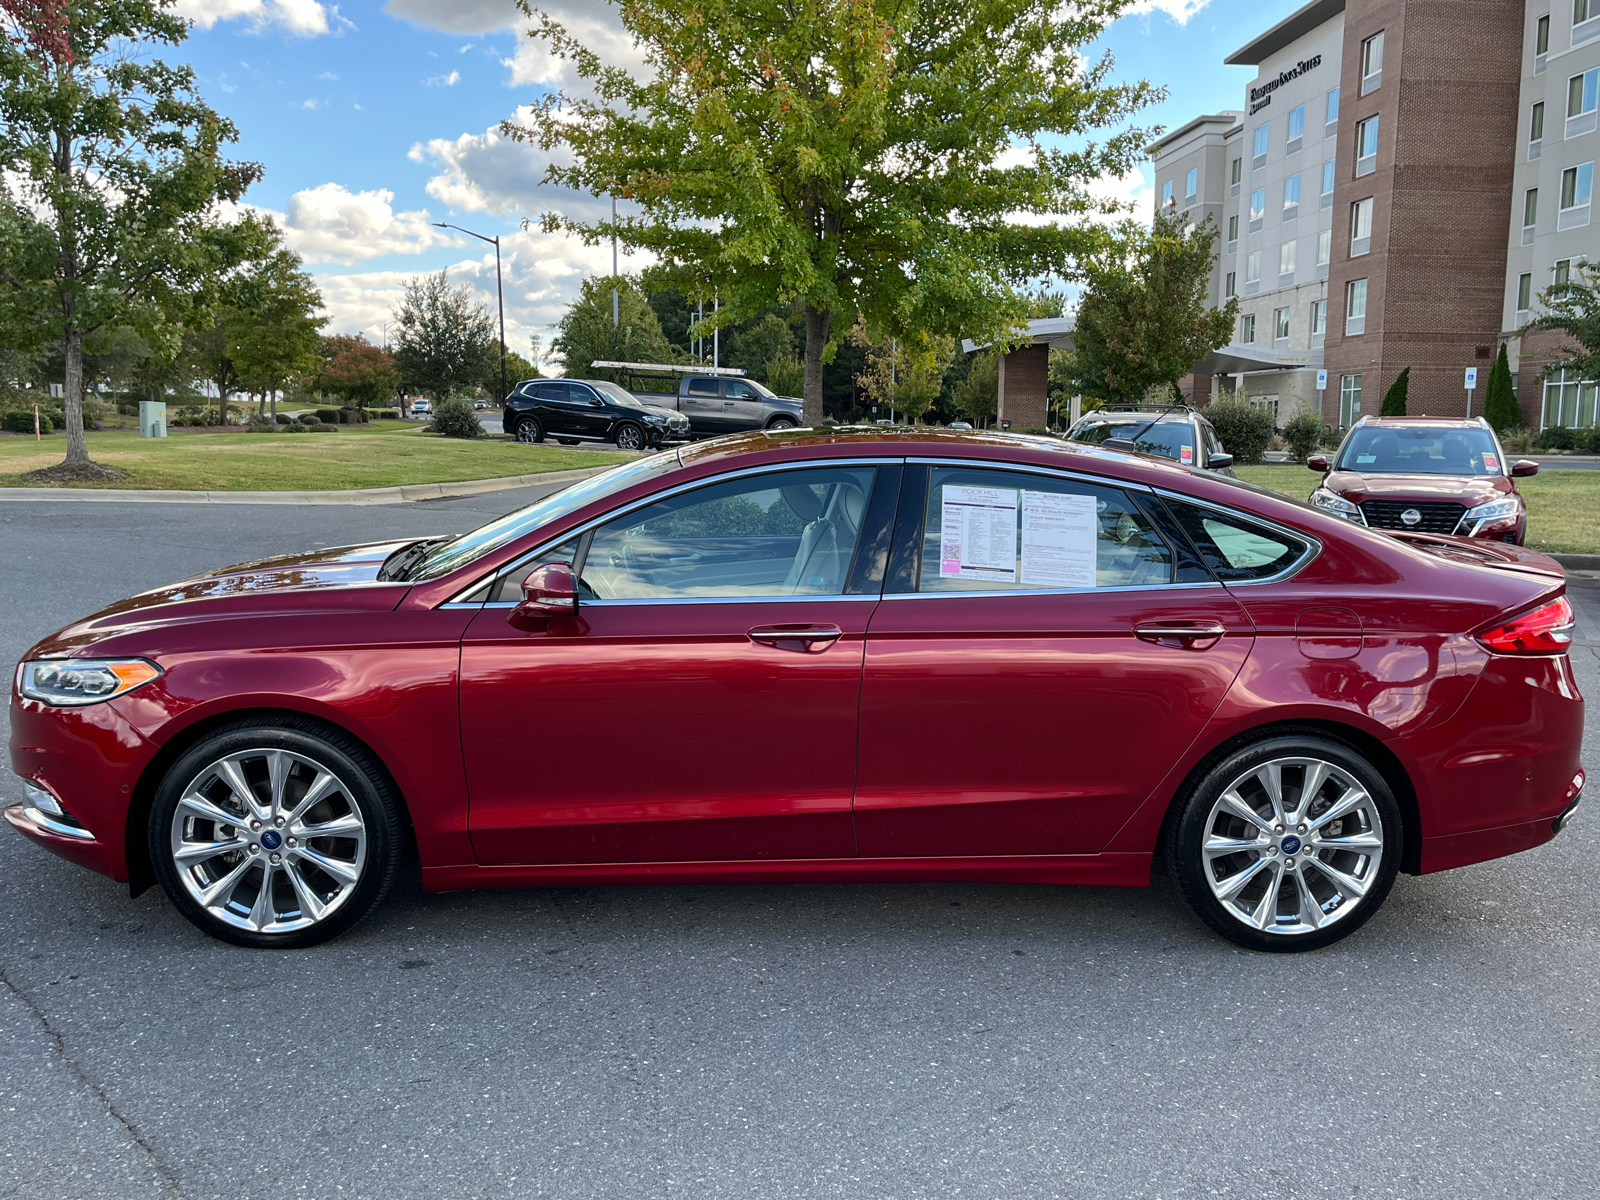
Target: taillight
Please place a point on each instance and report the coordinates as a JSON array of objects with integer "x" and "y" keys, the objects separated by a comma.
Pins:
[{"x": 1543, "y": 630}]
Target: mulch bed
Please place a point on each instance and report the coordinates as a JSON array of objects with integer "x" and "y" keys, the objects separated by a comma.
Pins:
[{"x": 89, "y": 472}]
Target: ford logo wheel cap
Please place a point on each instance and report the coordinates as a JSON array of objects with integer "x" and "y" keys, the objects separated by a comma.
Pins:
[
  {"x": 1411, "y": 517},
  {"x": 1291, "y": 845},
  {"x": 272, "y": 839}
]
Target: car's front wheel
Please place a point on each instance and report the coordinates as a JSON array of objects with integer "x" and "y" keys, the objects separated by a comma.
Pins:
[
  {"x": 782, "y": 423},
  {"x": 529, "y": 430},
  {"x": 1287, "y": 844},
  {"x": 278, "y": 834},
  {"x": 629, "y": 436}
]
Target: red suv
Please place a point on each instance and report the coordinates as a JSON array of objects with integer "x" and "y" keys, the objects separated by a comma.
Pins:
[{"x": 1425, "y": 475}]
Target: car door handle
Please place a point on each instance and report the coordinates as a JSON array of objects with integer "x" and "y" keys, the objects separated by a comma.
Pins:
[
  {"x": 798, "y": 638},
  {"x": 1185, "y": 635}
]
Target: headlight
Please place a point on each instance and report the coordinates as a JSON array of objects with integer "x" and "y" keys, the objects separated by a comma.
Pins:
[
  {"x": 73, "y": 682},
  {"x": 1493, "y": 510},
  {"x": 1332, "y": 502},
  {"x": 656, "y": 418}
]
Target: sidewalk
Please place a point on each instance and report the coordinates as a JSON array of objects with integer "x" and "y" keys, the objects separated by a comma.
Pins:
[{"x": 404, "y": 494}]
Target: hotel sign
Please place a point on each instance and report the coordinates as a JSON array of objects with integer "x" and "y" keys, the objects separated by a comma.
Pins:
[{"x": 1261, "y": 96}]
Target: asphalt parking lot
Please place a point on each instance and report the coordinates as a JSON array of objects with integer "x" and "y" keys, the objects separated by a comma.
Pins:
[{"x": 779, "y": 1041}]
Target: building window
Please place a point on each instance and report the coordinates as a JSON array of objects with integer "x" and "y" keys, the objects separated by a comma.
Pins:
[
  {"x": 1583, "y": 97},
  {"x": 1319, "y": 318},
  {"x": 1536, "y": 132},
  {"x": 1366, "y": 146},
  {"x": 1349, "y": 400},
  {"x": 1280, "y": 329},
  {"x": 1252, "y": 273},
  {"x": 1561, "y": 273},
  {"x": 1258, "y": 208},
  {"x": 1541, "y": 36},
  {"x": 1247, "y": 329},
  {"x": 1355, "y": 307},
  {"x": 1286, "y": 256},
  {"x": 1327, "y": 184},
  {"x": 1260, "y": 148},
  {"x": 1236, "y": 175},
  {"x": 1166, "y": 194},
  {"x": 1576, "y": 185},
  {"x": 1372, "y": 64},
  {"x": 1191, "y": 186},
  {"x": 1291, "y": 196},
  {"x": 1524, "y": 293},
  {"x": 1530, "y": 214},
  {"x": 1360, "y": 227},
  {"x": 1324, "y": 252},
  {"x": 1585, "y": 21},
  {"x": 1297, "y": 128},
  {"x": 1333, "y": 109},
  {"x": 1569, "y": 403},
  {"x": 1229, "y": 285}
]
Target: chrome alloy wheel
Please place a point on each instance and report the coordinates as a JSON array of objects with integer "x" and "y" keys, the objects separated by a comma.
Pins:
[
  {"x": 268, "y": 841},
  {"x": 630, "y": 437},
  {"x": 1292, "y": 845}
]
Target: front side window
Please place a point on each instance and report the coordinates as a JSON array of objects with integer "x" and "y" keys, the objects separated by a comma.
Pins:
[
  {"x": 1236, "y": 548},
  {"x": 1371, "y": 63},
  {"x": 1191, "y": 184},
  {"x": 989, "y": 530},
  {"x": 1297, "y": 123},
  {"x": 1258, "y": 204},
  {"x": 1291, "y": 192},
  {"x": 738, "y": 389},
  {"x": 1378, "y": 450},
  {"x": 780, "y": 533}
]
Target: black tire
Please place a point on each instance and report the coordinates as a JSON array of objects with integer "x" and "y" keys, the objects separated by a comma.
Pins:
[
  {"x": 363, "y": 788},
  {"x": 630, "y": 436},
  {"x": 1285, "y": 857},
  {"x": 783, "y": 423},
  {"x": 529, "y": 430}
]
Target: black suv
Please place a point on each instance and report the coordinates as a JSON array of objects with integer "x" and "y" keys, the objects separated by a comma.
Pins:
[
  {"x": 589, "y": 410},
  {"x": 1173, "y": 431}
]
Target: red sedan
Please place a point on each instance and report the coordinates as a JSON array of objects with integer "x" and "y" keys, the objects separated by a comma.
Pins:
[{"x": 795, "y": 656}]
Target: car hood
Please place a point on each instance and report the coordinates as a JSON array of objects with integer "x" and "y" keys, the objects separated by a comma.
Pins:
[
  {"x": 341, "y": 577},
  {"x": 657, "y": 411},
  {"x": 1463, "y": 489}
]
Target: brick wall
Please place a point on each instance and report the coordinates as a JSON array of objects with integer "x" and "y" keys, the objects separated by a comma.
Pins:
[{"x": 1025, "y": 387}]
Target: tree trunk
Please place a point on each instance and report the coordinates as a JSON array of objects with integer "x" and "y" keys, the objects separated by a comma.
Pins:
[
  {"x": 222, "y": 403},
  {"x": 77, "y": 448},
  {"x": 818, "y": 323}
]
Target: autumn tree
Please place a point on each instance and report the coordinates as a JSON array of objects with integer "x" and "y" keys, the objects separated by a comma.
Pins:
[
  {"x": 868, "y": 157},
  {"x": 111, "y": 169},
  {"x": 444, "y": 336},
  {"x": 902, "y": 375},
  {"x": 358, "y": 373}
]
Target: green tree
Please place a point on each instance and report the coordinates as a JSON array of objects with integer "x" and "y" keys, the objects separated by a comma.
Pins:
[
  {"x": 1501, "y": 407},
  {"x": 785, "y": 375},
  {"x": 977, "y": 397},
  {"x": 278, "y": 339},
  {"x": 113, "y": 172},
  {"x": 1144, "y": 320},
  {"x": 587, "y": 334},
  {"x": 1572, "y": 308},
  {"x": 853, "y": 156},
  {"x": 902, "y": 376},
  {"x": 1394, "y": 400},
  {"x": 444, "y": 337},
  {"x": 517, "y": 370},
  {"x": 360, "y": 374},
  {"x": 764, "y": 340}
]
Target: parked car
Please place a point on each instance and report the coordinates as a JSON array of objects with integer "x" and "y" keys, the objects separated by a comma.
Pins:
[
  {"x": 716, "y": 405},
  {"x": 480, "y": 405},
  {"x": 733, "y": 656},
  {"x": 589, "y": 410},
  {"x": 1173, "y": 431},
  {"x": 421, "y": 408},
  {"x": 1425, "y": 475}
]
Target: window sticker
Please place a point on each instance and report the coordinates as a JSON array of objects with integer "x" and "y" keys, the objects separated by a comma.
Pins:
[
  {"x": 1366, "y": 458},
  {"x": 1186, "y": 455},
  {"x": 1491, "y": 462},
  {"x": 1059, "y": 540},
  {"x": 978, "y": 534}
]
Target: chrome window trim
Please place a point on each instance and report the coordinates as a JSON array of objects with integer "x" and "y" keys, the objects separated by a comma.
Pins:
[
  {"x": 1036, "y": 469},
  {"x": 644, "y": 502},
  {"x": 1094, "y": 591},
  {"x": 1313, "y": 543}
]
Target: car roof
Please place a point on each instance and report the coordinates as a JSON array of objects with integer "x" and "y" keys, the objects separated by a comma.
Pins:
[{"x": 1421, "y": 422}]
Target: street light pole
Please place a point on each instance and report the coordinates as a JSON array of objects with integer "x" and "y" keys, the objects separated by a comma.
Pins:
[
  {"x": 616, "y": 307},
  {"x": 500, "y": 298}
]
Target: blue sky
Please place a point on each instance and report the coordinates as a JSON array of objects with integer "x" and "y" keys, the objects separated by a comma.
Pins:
[{"x": 374, "y": 119}]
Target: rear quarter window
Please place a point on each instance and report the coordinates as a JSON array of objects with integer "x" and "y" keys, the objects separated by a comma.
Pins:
[{"x": 1236, "y": 548}]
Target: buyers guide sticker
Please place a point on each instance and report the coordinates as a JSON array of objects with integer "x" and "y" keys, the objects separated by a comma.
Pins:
[
  {"x": 1059, "y": 536},
  {"x": 978, "y": 534},
  {"x": 1188, "y": 455},
  {"x": 1491, "y": 462}
]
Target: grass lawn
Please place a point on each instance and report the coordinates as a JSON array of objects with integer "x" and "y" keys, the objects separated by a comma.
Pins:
[
  {"x": 1563, "y": 506},
  {"x": 380, "y": 455}
]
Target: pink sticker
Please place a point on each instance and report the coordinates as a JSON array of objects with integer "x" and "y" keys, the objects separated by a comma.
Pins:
[
  {"x": 1491, "y": 462},
  {"x": 1187, "y": 453}
]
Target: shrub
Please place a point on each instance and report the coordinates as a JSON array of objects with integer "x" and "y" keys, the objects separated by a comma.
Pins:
[
  {"x": 260, "y": 423},
  {"x": 1592, "y": 443},
  {"x": 283, "y": 419},
  {"x": 1500, "y": 401},
  {"x": 456, "y": 418},
  {"x": 388, "y": 414},
  {"x": 1557, "y": 437},
  {"x": 1305, "y": 433},
  {"x": 310, "y": 419},
  {"x": 1517, "y": 441},
  {"x": 1394, "y": 400},
  {"x": 295, "y": 427},
  {"x": 21, "y": 421},
  {"x": 1244, "y": 429},
  {"x": 328, "y": 416},
  {"x": 323, "y": 427}
]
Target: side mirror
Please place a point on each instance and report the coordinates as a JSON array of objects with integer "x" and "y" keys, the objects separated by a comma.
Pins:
[
  {"x": 1524, "y": 467},
  {"x": 1318, "y": 462},
  {"x": 596, "y": 402},
  {"x": 1219, "y": 462},
  {"x": 548, "y": 591}
]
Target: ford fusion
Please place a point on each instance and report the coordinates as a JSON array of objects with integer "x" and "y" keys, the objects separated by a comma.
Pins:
[{"x": 858, "y": 655}]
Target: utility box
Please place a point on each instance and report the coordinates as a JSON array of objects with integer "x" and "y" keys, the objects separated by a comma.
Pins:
[{"x": 152, "y": 418}]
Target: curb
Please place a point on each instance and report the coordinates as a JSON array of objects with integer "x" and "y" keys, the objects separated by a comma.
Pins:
[
  {"x": 1578, "y": 562},
  {"x": 403, "y": 494}
]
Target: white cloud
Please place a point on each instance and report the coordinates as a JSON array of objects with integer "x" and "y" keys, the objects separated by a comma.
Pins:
[
  {"x": 595, "y": 23},
  {"x": 1179, "y": 10},
  {"x": 1131, "y": 191},
  {"x": 488, "y": 172},
  {"x": 330, "y": 224},
  {"x": 449, "y": 80},
  {"x": 304, "y": 18}
]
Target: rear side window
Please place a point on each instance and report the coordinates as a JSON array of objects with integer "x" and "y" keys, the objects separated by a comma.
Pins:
[
  {"x": 988, "y": 530},
  {"x": 703, "y": 387},
  {"x": 1236, "y": 548}
]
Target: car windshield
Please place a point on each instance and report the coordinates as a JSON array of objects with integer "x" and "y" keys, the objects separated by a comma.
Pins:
[
  {"x": 614, "y": 393},
  {"x": 1169, "y": 437},
  {"x": 1420, "y": 450},
  {"x": 469, "y": 547},
  {"x": 762, "y": 389}
]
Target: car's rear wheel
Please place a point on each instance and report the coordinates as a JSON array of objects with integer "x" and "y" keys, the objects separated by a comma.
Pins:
[
  {"x": 629, "y": 436},
  {"x": 529, "y": 430},
  {"x": 279, "y": 834},
  {"x": 782, "y": 423},
  {"x": 1287, "y": 844}
]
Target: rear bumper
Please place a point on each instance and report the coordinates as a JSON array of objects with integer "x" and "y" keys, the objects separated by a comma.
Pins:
[{"x": 1460, "y": 849}]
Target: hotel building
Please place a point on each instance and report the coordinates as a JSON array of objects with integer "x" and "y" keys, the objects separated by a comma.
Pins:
[{"x": 1402, "y": 180}]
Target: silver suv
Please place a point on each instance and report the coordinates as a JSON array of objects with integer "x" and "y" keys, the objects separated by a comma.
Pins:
[{"x": 1173, "y": 431}]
